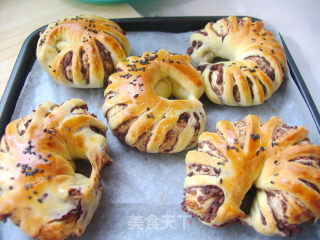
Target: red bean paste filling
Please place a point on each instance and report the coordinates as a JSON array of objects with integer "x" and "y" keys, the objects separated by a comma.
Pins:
[
  {"x": 221, "y": 34},
  {"x": 310, "y": 161},
  {"x": 282, "y": 224},
  {"x": 83, "y": 107},
  {"x": 236, "y": 93},
  {"x": 209, "y": 191},
  {"x": 263, "y": 65},
  {"x": 264, "y": 88},
  {"x": 110, "y": 94},
  {"x": 72, "y": 215},
  {"x": 198, "y": 169},
  {"x": 194, "y": 45},
  {"x": 7, "y": 148},
  {"x": 110, "y": 112},
  {"x": 98, "y": 130},
  {"x": 172, "y": 135},
  {"x": 281, "y": 131},
  {"x": 241, "y": 126},
  {"x": 67, "y": 66},
  {"x": 107, "y": 61},
  {"x": 250, "y": 86},
  {"x": 26, "y": 125},
  {"x": 203, "y": 32},
  {"x": 196, "y": 128},
  {"x": 143, "y": 141},
  {"x": 85, "y": 66},
  {"x": 310, "y": 185},
  {"x": 214, "y": 152},
  {"x": 201, "y": 68},
  {"x": 219, "y": 80},
  {"x": 122, "y": 130}
]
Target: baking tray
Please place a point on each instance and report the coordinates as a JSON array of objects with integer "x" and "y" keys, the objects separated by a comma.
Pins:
[{"x": 27, "y": 57}]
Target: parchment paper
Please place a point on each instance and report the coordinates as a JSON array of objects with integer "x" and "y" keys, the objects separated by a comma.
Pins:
[{"x": 143, "y": 192}]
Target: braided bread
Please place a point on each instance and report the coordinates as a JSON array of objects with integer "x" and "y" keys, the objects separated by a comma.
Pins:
[
  {"x": 39, "y": 188},
  {"x": 138, "y": 112},
  {"x": 257, "y": 61},
  {"x": 82, "y": 51},
  {"x": 277, "y": 159}
]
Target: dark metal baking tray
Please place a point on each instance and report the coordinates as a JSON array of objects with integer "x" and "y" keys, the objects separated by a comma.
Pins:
[{"x": 27, "y": 57}]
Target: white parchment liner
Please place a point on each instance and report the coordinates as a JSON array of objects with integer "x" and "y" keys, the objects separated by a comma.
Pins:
[{"x": 143, "y": 192}]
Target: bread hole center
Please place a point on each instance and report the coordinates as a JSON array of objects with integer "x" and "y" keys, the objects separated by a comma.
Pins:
[
  {"x": 171, "y": 89},
  {"x": 247, "y": 200},
  {"x": 83, "y": 166},
  {"x": 163, "y": 87}
]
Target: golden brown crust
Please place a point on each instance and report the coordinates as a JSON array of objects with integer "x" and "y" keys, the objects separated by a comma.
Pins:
[
  {"x": 137, "y": 108},
  {"x": 257, "y": 61},
  {"x": 82, "y": 51},
  {"x": 39, "y": 189},
  {"x": 273, "y": 157}
]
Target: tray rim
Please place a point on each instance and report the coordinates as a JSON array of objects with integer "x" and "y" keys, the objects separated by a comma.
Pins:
[{"x": 27, "y": 57}]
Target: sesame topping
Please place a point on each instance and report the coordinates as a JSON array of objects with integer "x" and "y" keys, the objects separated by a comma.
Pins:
[{"x": 255, "y": 137}]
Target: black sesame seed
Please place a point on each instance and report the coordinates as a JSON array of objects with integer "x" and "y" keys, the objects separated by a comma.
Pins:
[
  {"x": 34, "y": 192},
  {"x": 49, "y": 155},
  {"x": 26, "y": 187},
  {"x": 48, "y": 177},
  {"x": 228, "y": 147},
  {"x": 29, "y": 197},
  {"x": 135, "y": 96},
  {"x": 276, "y": 174},
  {"x": 220, "y": 180},
  {"x": 272, "y": 182}
]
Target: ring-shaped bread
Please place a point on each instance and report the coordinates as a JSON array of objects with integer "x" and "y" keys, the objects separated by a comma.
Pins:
[
  {"x": 278, "y": 160},
  {"x": 39, "y": 188},
  {"x": 138, "y": 111},
  {"x": 256, "y": 62},
  {"x": 82, "y": 51}
]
